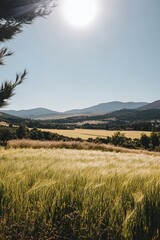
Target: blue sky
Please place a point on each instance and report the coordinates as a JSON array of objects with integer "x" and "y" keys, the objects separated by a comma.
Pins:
[{"x": 116, "y": 58}]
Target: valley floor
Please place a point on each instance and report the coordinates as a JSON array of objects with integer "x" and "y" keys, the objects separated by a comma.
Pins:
[{"x": 94, "y": 133}]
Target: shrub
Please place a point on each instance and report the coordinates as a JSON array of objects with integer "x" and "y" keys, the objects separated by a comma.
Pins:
[
  {"x": 145, "y": 141},
  {"x": 118, "y": 139}
]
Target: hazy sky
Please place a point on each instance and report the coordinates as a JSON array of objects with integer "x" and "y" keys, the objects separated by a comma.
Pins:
[{"x": 116, "y": 58}]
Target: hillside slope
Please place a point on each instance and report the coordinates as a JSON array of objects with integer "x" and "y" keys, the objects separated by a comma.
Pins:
[
  {"x": 153, "y": 105},
  {"x": 32, "y": 113},
  {"x": 107, "y": 107},
  {"x": 96, "y": 109}
]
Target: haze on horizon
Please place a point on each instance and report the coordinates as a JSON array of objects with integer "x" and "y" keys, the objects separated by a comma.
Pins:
[{"x": 117, "y": 57}]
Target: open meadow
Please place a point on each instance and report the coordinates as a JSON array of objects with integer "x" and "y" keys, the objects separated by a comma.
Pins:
[
  {"x": 95, "y": 65},
  {"x": 59, "y": 194},
  {"x": 94, "y": 133}
]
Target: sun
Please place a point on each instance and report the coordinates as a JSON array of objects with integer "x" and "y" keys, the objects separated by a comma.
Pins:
[{"x": 80, "y": 13}]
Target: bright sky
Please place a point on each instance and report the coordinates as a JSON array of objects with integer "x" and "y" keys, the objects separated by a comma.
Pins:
[{"x": 115, "y": 57}]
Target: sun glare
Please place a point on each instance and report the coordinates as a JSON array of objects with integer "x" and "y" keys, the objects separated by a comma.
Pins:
[{"x": 80, "y": 13}]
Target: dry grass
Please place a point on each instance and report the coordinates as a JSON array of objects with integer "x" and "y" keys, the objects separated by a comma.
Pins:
[
  {"x": 93, "y": 133},
  {"x": 66, "y": 194},
  {"x": 70, "y": 159},
  {"x": 24, "y": 143}
]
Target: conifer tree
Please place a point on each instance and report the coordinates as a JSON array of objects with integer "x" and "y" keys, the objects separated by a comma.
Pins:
[{"x": 13, "y": 15}]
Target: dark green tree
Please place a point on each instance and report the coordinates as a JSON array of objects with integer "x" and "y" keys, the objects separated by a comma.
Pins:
[
  {"x": 155, "y": 140},
  {"x": 13, "y": 15},
  {"x": 118, "y": 139},
  {"x": 145, "y": 141},
  {"x": 5, "y": 135},
  {"x": 22, "y": 131},
  {"x": 7, "y": 88}
]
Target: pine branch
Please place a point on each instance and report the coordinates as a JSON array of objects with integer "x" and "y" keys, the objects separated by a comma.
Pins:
[
  {"x": 8, "y": 30},
  {"x": 4, "y": 52},
  {"x": 13, "y": 14},
  {"x": 7, "y": 89},
  {"x": 25, "y": 11}
]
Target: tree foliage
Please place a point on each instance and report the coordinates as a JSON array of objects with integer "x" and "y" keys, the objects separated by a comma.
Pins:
[
  {"x": 145, "y": 141},
  {"x": 13, "y": 15},
  {"x": 155, "y": 140},
  {"x": 7, "y": 88},
  {"x": 25, "y": 10}
]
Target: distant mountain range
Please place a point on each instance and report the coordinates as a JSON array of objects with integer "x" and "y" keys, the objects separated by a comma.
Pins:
[
  {"x": 97, "y": 109},
  {"x": 32, "y": 113},
  {"x": 107, "y": 107}
]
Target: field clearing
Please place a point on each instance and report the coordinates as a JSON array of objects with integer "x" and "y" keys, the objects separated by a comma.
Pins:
[
  {"x": 94, "y": 133},
  {"x": 4, "y": 124},
  {"x": 59, "y": 194}
]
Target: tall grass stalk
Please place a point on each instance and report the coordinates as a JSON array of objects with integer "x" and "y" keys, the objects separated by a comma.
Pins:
[{"x": 57, "y": 194}]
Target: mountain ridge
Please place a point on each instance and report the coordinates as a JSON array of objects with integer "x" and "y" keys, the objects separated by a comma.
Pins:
[
  {"x": 31, "y": 113},
  {"x": 107, "y": 107},
  {"x": 153, "y": 105},
  {"x": 96, "y": 109}
]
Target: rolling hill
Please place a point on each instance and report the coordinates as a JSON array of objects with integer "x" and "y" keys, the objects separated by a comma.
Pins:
[
  {"x": 97, "y": 109},
  {"x": 136, "y": 115},
  {"x": 32, "y": 113},
  {"x": 116, "y": 120},
  {"x": 153, "y": 105},
  {"x": 10, "y": 119},
  {"x": 107, "y": 107},
  {"x": 129, "y": 115}
]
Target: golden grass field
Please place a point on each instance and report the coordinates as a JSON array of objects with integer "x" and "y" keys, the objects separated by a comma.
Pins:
[
  {"x": 93, "y": 133},
  {"x": 37, "y": 144},
  {"x": 60, "y": 194}
]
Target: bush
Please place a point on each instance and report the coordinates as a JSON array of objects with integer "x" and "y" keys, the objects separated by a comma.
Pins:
[
  {"x": 155, "y": 140},
  {"x": 6, "y": 134},
  {"x": 118, "y": 139},
  {"x": 22, "y": 131},
  {"x": 145, "y": 141}
]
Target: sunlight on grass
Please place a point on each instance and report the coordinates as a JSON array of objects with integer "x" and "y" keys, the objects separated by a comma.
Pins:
[
  {"x": 94, "y": 133},
  {"x": 79, "y": 194}
]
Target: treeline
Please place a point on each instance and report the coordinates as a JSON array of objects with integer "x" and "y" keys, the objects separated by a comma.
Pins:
[
  {"x": 122, "y": 125},
  {"x": 22, "y": 132},
  {"x": 47, "y": 124},
  {"x": 111, "y": 125},
  {"x": 151, "y": 142}
]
